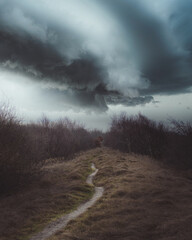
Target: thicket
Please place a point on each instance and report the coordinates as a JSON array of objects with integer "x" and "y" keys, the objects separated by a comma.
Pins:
[
  {"x": 25, "y": 147},
  {"x": 138, "y": 134}
]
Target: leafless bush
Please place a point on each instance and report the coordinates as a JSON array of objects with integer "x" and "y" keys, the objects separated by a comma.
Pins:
[
  {"x": 18, "y": 158},
  {"x": 60, "y": 139},
  {"x": 180, "y": 144},
  {"x": 64, "y": 138},
  {"x": 137, "y": 134},
  {"x": 23, "y": 148}
]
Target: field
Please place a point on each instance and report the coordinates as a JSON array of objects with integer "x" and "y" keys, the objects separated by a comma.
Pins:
[
  {"x": 60, "y": 189},
  {"x": 143, "y": 199}
]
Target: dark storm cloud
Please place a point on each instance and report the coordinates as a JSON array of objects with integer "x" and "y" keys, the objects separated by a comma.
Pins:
[
  {"x": 162, "y": 48},
  {"x": 126, "y": 101},
  {"x": 71, "y": 98},
  {"x": 100, "y": 52}
]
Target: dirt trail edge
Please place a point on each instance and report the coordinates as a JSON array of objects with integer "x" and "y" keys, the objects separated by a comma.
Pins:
[{"x": 62, "y": 222}]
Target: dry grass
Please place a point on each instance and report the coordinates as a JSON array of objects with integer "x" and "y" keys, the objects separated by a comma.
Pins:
[
  {"x": 61, "y": 189},
  {"x": 142, "y": 201}
]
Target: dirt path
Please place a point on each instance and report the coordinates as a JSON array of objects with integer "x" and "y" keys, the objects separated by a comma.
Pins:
[
  {"x": 62, "y": 222},
  {"x": 144, "y": 199}
]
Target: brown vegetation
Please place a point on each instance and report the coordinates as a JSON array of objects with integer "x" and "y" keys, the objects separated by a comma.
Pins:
[
  {"x": 25, "y": 147},
  {"x": 142, "y": 200},
  {"x": 19, "y": 155},
  {"x": 138, "y": 134},
  {"x": 60, "y": 189},
  {"x": 98, "y": 141}
]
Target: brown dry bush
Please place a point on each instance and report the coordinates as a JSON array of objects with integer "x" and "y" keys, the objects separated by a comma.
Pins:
[
  {"x": 25, "y": 147},
  {"x": 137, "y": 134},
  {"x": 179, "y": 150},
  {"x": 60, "y": 139},
  {"x": 64, "y": 138},
  {"x": 19, "y": 157}
]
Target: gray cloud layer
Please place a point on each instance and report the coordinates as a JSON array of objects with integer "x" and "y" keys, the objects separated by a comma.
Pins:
[{"x": 96, "y": 53}]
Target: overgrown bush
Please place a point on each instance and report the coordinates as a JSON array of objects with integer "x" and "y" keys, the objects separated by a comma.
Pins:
[
  {"x": 137, "y": 134},
  {"x": 18, "y": 156},
  {"x": 64, "y": 138},
  {"x": 179, "y": 150},
  {"x": 24, "y": 148}
]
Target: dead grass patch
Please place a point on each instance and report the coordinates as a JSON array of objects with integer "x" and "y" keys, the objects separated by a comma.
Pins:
[
  {"x": 61, "y": 189},
  {"x": 146, "y": 201}
]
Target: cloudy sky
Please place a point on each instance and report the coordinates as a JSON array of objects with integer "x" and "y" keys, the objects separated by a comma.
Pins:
[{"x": 90, "y": 59}]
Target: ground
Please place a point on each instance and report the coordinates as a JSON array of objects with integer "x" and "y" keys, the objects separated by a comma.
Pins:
[
  {"x": 143, "y": 200},
  {"x": 60, "y": 189}
]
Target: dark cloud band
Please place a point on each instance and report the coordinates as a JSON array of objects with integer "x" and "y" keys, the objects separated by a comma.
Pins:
[{"x": 139, "y": 52}]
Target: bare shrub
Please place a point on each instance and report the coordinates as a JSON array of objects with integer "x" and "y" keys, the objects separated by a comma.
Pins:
[
  {"x": 180, "y": 144},
  {"x": 18, "y": 158},
  {"x": 64, "y": 138},
  {"x": 60, "y": 139},
  {"x": 137, "y": 134},
  {"x": 24, "y": 148}
]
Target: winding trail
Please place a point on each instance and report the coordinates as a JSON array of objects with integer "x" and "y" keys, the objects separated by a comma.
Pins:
[{"x": 62, "y": 222}]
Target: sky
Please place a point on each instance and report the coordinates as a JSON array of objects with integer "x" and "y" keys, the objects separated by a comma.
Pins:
[{"x": 91, "y": 59}]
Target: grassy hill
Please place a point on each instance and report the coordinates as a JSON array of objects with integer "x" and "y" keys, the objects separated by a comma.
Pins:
[{"x": 142, "y": 200}]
